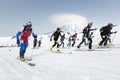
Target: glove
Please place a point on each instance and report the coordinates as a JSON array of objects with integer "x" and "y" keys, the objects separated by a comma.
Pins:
[
  {"x": 115, "y": 32},
  {"x": 18, "y": 42},
  {"x": 50, "y": 39},
  {"x": 95, "y": 28}
]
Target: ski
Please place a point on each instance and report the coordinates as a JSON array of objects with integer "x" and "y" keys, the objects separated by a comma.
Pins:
[
  {"x": 27, "y": 58},
  {"x": 107, "y": 47},
  {"x": 60, "y": 52},
  {"x": 26, "y": 61},
  {"x": 89, "y": 50},
  {"x": 53, "y": 51},
  {"x": 56, "y": 52}
]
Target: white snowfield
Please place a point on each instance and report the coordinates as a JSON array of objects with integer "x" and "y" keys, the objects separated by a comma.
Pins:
[
  {"x": 102, "y": 64},
  {"x": 69, "y": 65}
]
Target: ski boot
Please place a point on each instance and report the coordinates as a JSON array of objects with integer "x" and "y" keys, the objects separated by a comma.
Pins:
[
  {"x": 99, "y": 43},
  {"x": 22, "y": 56},
  {"x": 51, "y": 48},
  {"x": 78, "y": 46},
  {"x": 22, "y": 59},
  {"x": 110, "y": 44},
  {"x": 57, "y": 50}
]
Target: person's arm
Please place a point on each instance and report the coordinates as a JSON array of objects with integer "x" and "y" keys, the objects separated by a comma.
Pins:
[
  {"x": 52, "y": 36},
  {"x": 93, "y": 29},
  {"x": 113, "y": 32},
  {"x": 33, "y": 34},
  {"x": 17, "y": 37}
]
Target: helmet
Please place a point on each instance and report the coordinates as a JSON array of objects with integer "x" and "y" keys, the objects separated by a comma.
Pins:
[
  {"x": 110, "y": 24},
  {"x": 91, "y": 23},
  {"x": 29, "y": 24},
  {"x": 58, "y": 29}
]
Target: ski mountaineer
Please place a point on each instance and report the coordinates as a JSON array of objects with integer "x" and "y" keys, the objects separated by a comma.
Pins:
[
  {"x": 56, "y": 35},
  {"x": 105, "y": 33},
  {"x": 35, "y": 41},
  {"x": 74, "y": 39},
  {"x": 39, "y": 43},
  {"x": 86, "y": 34},
  {"x": 69, "y": 41},
  {"x": 62, "y": 40},
  {"x": 22, "y": 39}
]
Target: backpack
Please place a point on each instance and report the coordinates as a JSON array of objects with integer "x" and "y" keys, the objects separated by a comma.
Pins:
[
  {"x": 84, "y": 29},
  {"x": 102, "y": 29}
]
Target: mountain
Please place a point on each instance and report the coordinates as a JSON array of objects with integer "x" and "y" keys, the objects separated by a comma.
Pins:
[
  {"x": 71, "y": 28},
  {"x": 68, "y": 30}
]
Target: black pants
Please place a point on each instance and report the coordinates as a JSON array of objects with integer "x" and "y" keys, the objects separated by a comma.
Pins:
[
  {"x": 56, "y": 43},
  {"x": 83, "y": 40},
  {"x": 62, "y": 43},
  {"x": 90, "y": 43},
  {"x": 35, "y": 43},
  {"x": 73, "y": 44},
  {"x": 103, "y": 41}
]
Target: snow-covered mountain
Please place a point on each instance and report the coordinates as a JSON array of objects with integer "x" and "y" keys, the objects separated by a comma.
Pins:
[
  {"x": 68, "y": 30},
  {"x": 71, "y": 28}
]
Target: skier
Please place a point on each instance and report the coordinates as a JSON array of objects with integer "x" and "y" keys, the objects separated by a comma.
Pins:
[
  {"x": 86, "y": 34},
  {"x": 39, "y": 43},
  {"x": 105, "y": 33},
  {"x": 35, "y": 41},
  {"x": 83, "y": 37},
  {"x": 62, "y": 40},
  {"x": 69, "y": 41},
  {"x": 22, "y": 39},
  {"x": 74, "y": 39},
  {"x": 56, "y": 35}
]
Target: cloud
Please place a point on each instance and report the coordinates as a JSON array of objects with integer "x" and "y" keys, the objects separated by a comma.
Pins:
[{"x": 68, "y": 19}]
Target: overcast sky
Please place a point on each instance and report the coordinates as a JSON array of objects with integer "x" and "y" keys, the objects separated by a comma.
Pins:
[{"x": 42, "y": 13}]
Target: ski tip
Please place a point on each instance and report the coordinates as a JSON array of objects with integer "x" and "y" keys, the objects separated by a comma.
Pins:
[{"x": 31, "y": 64}]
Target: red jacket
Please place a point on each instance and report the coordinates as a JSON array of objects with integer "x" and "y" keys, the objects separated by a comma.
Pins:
[
  {"x": 26, "y": 34},
  {"x": 74, "y": 37}
]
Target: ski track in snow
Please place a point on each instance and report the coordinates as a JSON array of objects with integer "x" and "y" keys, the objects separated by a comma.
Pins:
[{"x": 68, "y": 65}]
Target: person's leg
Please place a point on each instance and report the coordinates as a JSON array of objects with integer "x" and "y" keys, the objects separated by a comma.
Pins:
[
  {"x": 105, "y": 41},
  {"x": 57, "y": 49},
  {"x": 22, "y": 50},
  {"x": 110, "y": 43},
  {"x": 73, "y": 44},
  {"x": 90, "y": 43},
  {"x": 80, "y": 43},
  {"x": 101, "y": 42},
  {"x": 53, "y": 45},
  {"x": 63, "y": 45}
]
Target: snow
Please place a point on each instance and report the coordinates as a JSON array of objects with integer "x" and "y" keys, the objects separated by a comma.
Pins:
[
  {"x": 67, "y": 65},
  {"x": 70, "y": 65}
]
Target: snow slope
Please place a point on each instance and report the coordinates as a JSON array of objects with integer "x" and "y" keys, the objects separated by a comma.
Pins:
[
  {"x": 103, "y": 64},
  {"x": 70, "y": 65}
]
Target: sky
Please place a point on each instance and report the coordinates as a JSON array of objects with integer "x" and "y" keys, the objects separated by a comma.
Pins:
[{"x": 46, "y": 15}]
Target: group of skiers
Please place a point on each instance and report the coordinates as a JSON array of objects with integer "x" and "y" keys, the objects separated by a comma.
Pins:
[
  {"x": 87, "y": 32},
  {"x": 105, "y": 32}
]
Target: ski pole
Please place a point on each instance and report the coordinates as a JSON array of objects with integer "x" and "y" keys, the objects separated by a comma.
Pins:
[{"x": 113, "y": 37}]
